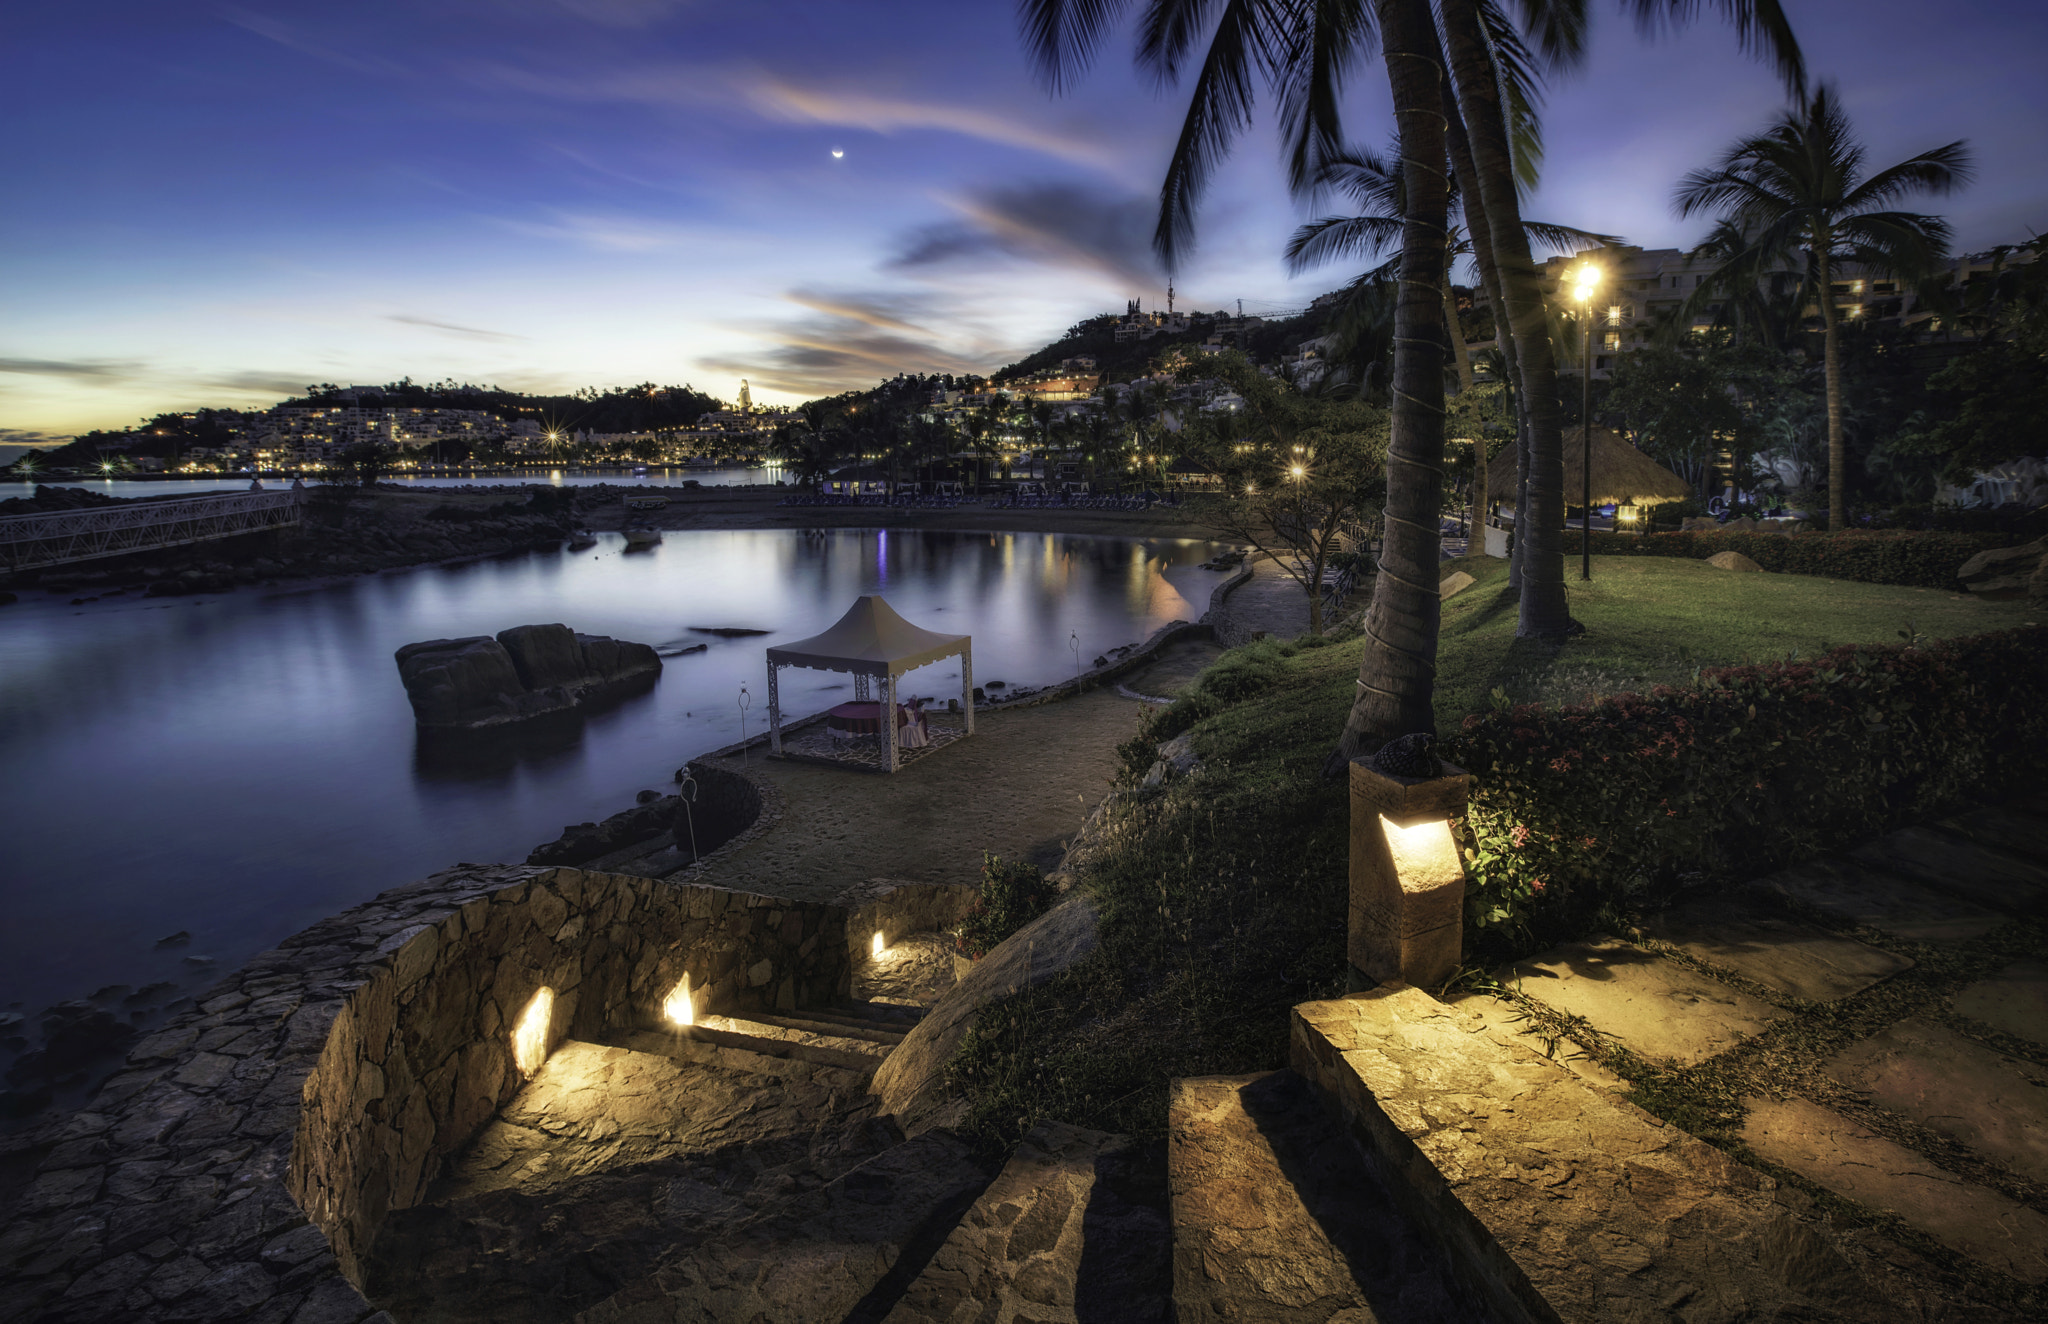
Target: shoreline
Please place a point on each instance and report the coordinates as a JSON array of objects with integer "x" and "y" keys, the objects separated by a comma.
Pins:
[{"x": 354, "y": 532}]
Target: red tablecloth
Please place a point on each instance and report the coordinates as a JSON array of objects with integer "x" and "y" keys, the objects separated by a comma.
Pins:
[{"x": 865, "y": 718}]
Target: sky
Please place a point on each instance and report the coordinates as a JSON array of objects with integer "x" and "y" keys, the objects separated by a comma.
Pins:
[{"x": 218, "y": 204}]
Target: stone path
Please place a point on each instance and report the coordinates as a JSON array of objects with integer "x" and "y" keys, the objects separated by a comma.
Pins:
[
  {"x": 1871, "y": 1027},
  {"x": 1271, "y": 603}
]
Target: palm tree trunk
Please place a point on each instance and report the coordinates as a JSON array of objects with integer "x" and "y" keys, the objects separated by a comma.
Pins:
[
  {"x": 1831, "y": 358},
  {"x": 1477, "y": 226},
  {"x": 1397, "y": 671},
  {"x": 1455, "y": 334},
  {"x": 1539, "y": 527}
]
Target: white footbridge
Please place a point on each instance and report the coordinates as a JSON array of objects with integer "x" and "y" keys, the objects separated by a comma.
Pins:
[{"x": 37, "y": 542}]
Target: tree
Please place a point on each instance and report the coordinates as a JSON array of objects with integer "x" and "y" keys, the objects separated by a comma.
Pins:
[
  {"x": 1988, "y": 404},
  {"x": 1298, "y": 471},
  {"x": 364, "y": 461},
  {"x": 1798, "y": 196}
]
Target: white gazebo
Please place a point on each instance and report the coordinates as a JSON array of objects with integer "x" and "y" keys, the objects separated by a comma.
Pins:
[{"x": 873, "y": 643}]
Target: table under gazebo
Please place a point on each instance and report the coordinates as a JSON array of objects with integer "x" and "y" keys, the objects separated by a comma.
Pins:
[
  {"x": 877, "y": 646},
  {"x": 1622, "y": 475}
]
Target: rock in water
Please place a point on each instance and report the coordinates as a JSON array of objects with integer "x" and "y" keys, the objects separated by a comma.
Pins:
[
  {"x": 1408, "y": 756},
  {"x": 525, "y": 672}
]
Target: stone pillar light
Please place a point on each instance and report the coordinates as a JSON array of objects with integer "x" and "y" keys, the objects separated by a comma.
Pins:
[{"x": 1407, "y": 879}]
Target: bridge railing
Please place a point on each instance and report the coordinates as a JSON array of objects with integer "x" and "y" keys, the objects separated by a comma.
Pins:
[{"x": 32, "y": 542}]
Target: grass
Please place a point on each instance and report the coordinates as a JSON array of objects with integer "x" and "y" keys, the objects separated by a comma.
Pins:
[{"x": 1223, "y": 895}]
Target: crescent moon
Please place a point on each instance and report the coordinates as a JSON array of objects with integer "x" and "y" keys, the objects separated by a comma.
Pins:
[{"x": 836, "y": 154}]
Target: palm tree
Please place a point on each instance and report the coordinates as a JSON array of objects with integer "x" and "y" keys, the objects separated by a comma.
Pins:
[{"x": 1798, "y": 196}]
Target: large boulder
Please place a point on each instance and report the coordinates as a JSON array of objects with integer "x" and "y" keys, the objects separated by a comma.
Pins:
[
  {"x": 912, "y": 1079},
  {"x": 526, "y": 671},
  {"x": 2004, "y": 569},
  {"x": 468, "y": 682},
  {"x": 606, "y": 659},
  {"x": 1734, "y": 561},
  {"x": 546, "y": 655}
]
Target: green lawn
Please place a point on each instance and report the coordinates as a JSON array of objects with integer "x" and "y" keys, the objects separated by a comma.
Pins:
[
  {"x": 1653, "y": 620},
  {"x": 1224, "y": 896}
]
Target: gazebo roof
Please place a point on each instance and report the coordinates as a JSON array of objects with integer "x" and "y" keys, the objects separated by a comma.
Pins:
[
  {"x": 870, "y": 639},
  {"x": 1621, "y": 473}
]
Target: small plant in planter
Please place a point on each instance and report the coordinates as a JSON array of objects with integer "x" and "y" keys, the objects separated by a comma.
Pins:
[{"x": 1012, "y": 895}]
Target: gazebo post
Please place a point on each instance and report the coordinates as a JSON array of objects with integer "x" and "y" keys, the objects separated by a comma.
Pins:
[
  {"x": 967, "y": 684},
  {"x": 774, "y": 711},
  {"x": 889, "y": 718}
]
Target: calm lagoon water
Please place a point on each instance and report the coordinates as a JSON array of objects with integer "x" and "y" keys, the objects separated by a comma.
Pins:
[{"x": 242, "y": 765}]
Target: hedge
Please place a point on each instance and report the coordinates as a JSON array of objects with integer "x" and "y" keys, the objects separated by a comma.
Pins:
[
  {"x": 1750, "y": 769},
  {"x": 1922, "y": 560}
]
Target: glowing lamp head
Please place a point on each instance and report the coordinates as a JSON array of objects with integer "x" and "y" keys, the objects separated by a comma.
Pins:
[
  {"x": 1298, "y": 472},
  {"x": 1588, "y": 280},
  {"x": 679, "y": 1008},
  {"x": 530, "y": 1034}
]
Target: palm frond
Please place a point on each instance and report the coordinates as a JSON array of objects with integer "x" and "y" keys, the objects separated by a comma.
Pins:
[
  {"x": 1558, "y": 28},
  {"x": 1335, "y": 237},
  {"x": 1521, "y": 91},
  {"x": 1941, "y": 171},
  {"x": 1761, "y": 29},
  {"x": 1326, "y": 39},
  {"x": 1565, "y": 238},
  {"x": 1167, "y": 33},
  {"x": 1061, "y": 36},
  {"x": 1219, "y": 108}
]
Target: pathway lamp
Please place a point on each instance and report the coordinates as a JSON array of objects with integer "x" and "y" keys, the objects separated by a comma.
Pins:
[
  {"x": 1588, "y": 283},
  {"x": 531, "y": 1035},
  {"x": 1407, "y": 880}
]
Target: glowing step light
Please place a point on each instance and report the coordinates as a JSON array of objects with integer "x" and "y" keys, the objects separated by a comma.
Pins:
[
  {"x": 530, "y": 1035},
  {"x": 679, "y": 1007}
]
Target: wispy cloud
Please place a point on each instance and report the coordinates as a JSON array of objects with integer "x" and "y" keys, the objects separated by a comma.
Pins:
[
  {"x": 622, "y": 13},
  {"x": 1054, "y": 223},
  {"x": 778, "y": 99},
  {"x": 271, "y": 29},
  {"x": 851, "y": 342},
  {"x": 262, "y": 383},
  {"x": 101, "y": 368},
  {"x": 774, "y": 98},
  {"x": 606, "y": 233},
  {"x": 26, "y": 438},
  {"x": 450, "y": 328},
  {"x": 886, "y": 312}
]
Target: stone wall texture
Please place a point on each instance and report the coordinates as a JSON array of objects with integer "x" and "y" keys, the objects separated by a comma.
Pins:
[{"x": 237, "y": 1166}]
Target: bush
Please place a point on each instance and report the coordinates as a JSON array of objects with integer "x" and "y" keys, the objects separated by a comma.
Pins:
[
  {"x": 1012, "y": 895},
  {"x": 1579, "y": 809},
  {"x": 1244, "y": 672},
  {"x": 1921, "y": 560}
]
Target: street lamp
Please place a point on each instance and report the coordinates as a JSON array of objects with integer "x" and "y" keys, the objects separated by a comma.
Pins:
[{"x": 1588, "y": 281}]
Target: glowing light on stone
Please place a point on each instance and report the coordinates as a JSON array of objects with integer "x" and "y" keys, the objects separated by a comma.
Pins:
[
  {"x": 530, "y": 1035},
  {"x": 876, "y": 947},
  {"x": 678, "y": 1006},
  {"x": 1424, "y": 855}
]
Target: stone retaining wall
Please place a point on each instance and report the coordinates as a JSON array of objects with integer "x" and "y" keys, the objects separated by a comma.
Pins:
[
  {"x": 341, "y": 1066},
  {"x": 421, "y": 1056},
  {"x": 897, "y": 909}
]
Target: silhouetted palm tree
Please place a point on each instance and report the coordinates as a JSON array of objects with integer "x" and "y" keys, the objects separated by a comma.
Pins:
[{"x": 1797, "y": 195}]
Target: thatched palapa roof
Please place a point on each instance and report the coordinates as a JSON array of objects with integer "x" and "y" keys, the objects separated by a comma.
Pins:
[{"x": 1621, "y": 473}]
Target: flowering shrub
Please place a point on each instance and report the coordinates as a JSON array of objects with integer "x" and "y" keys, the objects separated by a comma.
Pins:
[
  {"x": 1751, "y": 769},
  {"x": 1921, "y": 560}
]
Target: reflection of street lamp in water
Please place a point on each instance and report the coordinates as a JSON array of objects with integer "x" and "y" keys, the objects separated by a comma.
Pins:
[{"x": 1588, "y": 281}]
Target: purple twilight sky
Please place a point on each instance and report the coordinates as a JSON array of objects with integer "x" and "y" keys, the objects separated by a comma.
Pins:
[{"x": 217, "y": 204}]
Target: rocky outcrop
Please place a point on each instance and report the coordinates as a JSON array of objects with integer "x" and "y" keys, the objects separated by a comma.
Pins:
[
  {"x": 2005, "y": 570},
  {"x": 1735, "y": 561},
  {"x": 912, "y": 1082},
  {"x": 524, "y": 672}
]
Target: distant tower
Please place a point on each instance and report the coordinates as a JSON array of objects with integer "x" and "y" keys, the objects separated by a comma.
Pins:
[
  {"x": 1169, "y": 298},
  {"x": 746, "y": 399}
]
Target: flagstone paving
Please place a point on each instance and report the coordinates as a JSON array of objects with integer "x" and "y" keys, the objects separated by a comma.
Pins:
[{"x": 1888, "y": 1049}]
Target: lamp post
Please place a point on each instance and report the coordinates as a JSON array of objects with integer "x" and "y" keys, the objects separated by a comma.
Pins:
[{"x": 1589, "y": 281}]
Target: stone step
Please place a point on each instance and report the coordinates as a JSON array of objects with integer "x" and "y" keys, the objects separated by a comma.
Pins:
[
  {"x": 837, "y": 1049},
  {"x": 1792, "y": 958},
  {"x": 1057, "y": 1236},
  {"x": 831, "y": 1253},
  {"x": 1851, "y": 895},
  {"x": 895, "y": 1015},
  {"x": 831, "y": 1028},
  {"x": 1657, "y": 1008},
  {"x": 779, "y": 1058},
  {"x": 1278, "y": 1217},
  {"x": 1988, "y": 877},
  {"x": 1555, "y": 1201},
  {"x": 2001, "y": 828}
]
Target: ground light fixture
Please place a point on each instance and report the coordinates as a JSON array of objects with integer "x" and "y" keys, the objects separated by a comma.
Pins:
[
  {"x": 530, "y": 1032},
  {"x": 1407, "y": 880},
  {"x": 876, "y": 946},
  {"x": 679, "y": 1007}
]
